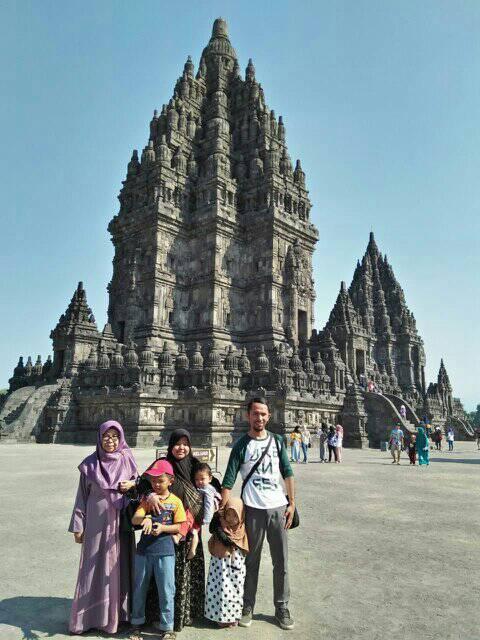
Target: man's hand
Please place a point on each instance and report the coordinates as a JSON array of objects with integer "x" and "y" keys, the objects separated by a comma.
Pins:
[
  {"x": 157, "y": 529},
  {"x": 155, "y": 503},
  {"x": 147, "y": 526},
  {"x": 78, "y": 537},
  {"x": 225, "y": 496},
  {"x": 289, "y": 511}
]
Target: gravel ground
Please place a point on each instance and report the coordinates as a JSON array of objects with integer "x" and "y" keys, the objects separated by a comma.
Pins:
[{"x": 383, "y": 552}]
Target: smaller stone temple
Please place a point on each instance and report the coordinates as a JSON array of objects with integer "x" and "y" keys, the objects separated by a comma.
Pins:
[{"x": 211, "y": 299}]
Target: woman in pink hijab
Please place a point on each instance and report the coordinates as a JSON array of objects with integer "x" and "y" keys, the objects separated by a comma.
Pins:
[
  {"x": 101, "y": 598},
  {"x": 339, "y": 442}
]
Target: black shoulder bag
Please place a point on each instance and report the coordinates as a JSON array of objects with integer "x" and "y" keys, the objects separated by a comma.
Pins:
[{"x": 296, "y": 517}]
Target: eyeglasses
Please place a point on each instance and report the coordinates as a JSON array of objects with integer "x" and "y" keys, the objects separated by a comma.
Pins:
[{"x": 110, "y": 438}]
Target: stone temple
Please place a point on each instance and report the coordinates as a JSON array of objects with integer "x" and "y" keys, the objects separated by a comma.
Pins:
[{"x": 211, "y": 298}]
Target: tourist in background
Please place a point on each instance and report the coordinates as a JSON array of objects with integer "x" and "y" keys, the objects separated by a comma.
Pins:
[
  {"x": 437, "y": 438},
  {"x": 403, "y": 411},
  {"x": 295, "y": 441},
  {"x": 423, "y": 447},
  {"x": 477, "y": 434},
  {"x": 338, "y": 443},
  {"x": 362, "y": 380},
  {"x": 450, "y": 438},
  {"x": 332, "y": 444},
  {"x": 306, "y": 442},
  {"x": 102, "y": 594},
  {"x": 412, "y": 448},
  {"x": 322, "y": 438},
  {"x": 396, "y": 443}
]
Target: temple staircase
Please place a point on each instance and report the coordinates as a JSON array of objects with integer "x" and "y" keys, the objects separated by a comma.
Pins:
[
  {"x": 21, "y": 414},
  {"x": 383, "y": 415},
  {"x": 463, "y": 426}
]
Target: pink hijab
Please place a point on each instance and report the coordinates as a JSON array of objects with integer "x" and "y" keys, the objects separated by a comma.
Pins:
[{"x": 108, "y": 469}]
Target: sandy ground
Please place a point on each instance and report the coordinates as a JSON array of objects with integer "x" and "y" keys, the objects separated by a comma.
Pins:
[{"x": 383, "y": 552}]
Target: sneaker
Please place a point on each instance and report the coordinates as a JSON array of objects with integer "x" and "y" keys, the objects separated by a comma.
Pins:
[
  {"x": 247, "y": 616},
  {"x": 283, "y": 617}
]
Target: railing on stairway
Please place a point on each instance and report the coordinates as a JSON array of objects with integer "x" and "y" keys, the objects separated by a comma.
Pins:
[
  {"x": 464, "y": 425},
  {"x": 379, "y": 431},
  {"x": 411, "y": 414}
]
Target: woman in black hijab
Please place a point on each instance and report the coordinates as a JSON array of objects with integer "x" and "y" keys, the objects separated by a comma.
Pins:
[{"x": 189, "y": 574}]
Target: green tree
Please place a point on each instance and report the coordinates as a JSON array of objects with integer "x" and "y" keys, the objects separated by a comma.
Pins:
[{"x": 474, "y": 417}]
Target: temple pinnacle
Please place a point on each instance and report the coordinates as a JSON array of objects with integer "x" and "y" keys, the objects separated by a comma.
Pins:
[{"x": 220, "y": 29}]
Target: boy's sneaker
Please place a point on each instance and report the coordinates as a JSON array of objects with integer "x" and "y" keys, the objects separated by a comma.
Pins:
[
  {"x": 283, "y": 617},
  {"x": 247, "y": 616}
]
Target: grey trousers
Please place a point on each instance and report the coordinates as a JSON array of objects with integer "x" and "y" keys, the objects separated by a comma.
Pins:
[{"x": 259, "y": 522}]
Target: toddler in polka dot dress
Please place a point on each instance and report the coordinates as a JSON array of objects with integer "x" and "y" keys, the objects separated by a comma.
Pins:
[{"x": 226, "y": 576}]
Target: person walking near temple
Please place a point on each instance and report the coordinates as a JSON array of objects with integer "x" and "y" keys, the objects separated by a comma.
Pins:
[
  {"x": 338, "y": 443},
  {"x": 397, "y": 443},
  {"x": 423, "y": 447},
  {"x": 412, "y": 449},
  {"x": 332, "y": 443},
  {"x": 262, "y": 460},
  {"x": 295, "y": 440},
  {"x": 437, "y": 437},
  {"x": 477, "y": 435},
  {"x": 322, "y": 437},
  {"x": 403, "y": 411},
  {"x": 450, "y": 438},
  {"x": 306, "y": 443}
]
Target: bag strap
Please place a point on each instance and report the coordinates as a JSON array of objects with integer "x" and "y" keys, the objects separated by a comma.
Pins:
[
  {"x": 255, "y": 466},
  {"x": 279, "y": 457}
]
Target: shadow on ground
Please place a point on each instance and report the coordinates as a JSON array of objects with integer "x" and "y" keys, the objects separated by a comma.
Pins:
[
  {"x": 36, "y": 617},
  {"x": 462, "y": 460}
]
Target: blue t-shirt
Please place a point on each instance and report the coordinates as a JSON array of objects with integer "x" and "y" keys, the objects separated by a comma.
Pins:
[{"x": 162, "y": 545}]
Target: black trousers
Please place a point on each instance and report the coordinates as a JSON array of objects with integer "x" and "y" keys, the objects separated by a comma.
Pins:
[{"x": 332, "y": 451}]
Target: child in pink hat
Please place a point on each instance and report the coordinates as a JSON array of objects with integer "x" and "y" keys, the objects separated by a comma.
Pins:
[{"x": 155, "y": 551}]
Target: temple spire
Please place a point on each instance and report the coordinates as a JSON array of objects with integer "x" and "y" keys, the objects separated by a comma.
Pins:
[{"x": 372, "y": 248}]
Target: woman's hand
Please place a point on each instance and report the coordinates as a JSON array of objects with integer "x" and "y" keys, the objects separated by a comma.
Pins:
[
  {"x": 155, "y": 503},
  {"x": 147, "y": 526},
  {"x": 126, "y": 485},
  {"x": 78, "y": 537},
  {"x": 157, "y": 529}
]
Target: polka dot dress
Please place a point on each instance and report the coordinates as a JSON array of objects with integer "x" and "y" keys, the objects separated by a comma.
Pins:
[{"x": 224, "y": 596}]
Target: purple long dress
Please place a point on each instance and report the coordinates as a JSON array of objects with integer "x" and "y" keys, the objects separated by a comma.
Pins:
[{"x": 102, "y": 593}]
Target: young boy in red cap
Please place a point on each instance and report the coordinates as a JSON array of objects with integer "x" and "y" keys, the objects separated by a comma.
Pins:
[{"x": 155, "y": 551}]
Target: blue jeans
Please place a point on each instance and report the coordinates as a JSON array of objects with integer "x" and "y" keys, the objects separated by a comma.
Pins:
[
  {"x": 305, "y": 451},
  {"x": 163, "y": 567},
  {"x": 296, "y": 452}
]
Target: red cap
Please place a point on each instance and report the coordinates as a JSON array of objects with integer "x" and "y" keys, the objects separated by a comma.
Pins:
[{"x": 159, "y": 467}]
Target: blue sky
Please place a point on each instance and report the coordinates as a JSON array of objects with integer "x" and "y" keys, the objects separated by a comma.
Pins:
[{"x": 380, "y": 101}]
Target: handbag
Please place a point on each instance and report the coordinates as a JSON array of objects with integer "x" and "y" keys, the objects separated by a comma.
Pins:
[{"x": 296, "y": 517}]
